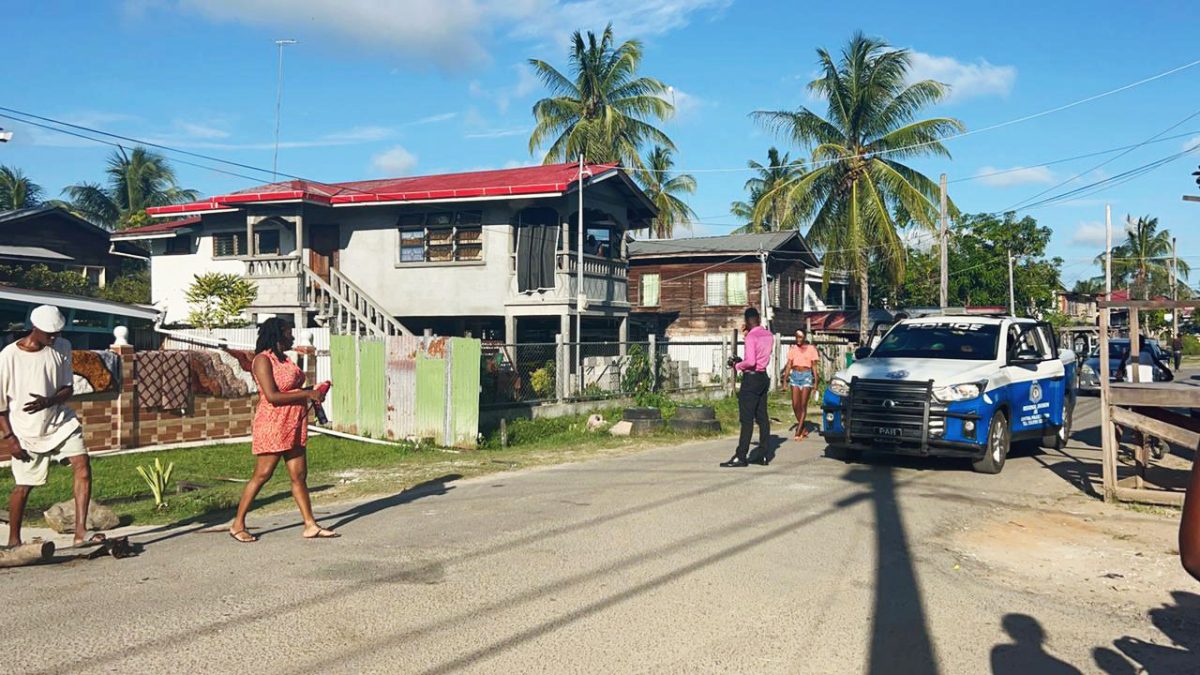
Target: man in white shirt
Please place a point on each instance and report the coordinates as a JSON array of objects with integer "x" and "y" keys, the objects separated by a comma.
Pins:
[{"x": 36, "y": 425}]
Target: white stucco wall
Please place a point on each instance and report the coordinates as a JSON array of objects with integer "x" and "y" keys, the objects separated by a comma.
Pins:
[{"x": 171, "y": 275}]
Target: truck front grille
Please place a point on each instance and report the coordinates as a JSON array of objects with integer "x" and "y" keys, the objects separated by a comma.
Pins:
[{"x": 889, "y": 410}]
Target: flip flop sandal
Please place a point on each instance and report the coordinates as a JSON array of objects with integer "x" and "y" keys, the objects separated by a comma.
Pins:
[
  {"x": 235, "y": 537},
  {"x": 323, "y": 534},
  {"x": 97, "y": 539}
]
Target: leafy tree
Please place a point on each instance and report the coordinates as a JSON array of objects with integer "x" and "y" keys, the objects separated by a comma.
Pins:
[
  {"x": 131, "y": 287},
  {"x": 779, "y": 170},
  {"x": 664, "y": 189},
  {"x": 858, "y": 191},
  {"x": 1143, "y": 261},
  {"x": 1093, "y": 286},
  {"x": 978, "y": 262},
  {"x": 42, "y": 278},
  {"x": 135, "y": 181},
  {"x": 604, "y": 110},
  {"x": 220, "y": 300},
  {"x": 17, "y": 191}
]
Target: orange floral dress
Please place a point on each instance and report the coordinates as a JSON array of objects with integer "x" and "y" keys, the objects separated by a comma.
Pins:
[{"x": 281, "y": 428}]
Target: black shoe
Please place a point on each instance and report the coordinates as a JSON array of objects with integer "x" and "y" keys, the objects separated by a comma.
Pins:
[
  {"x": 762, "y": 461},
  {"x": 734, "y": 462}
]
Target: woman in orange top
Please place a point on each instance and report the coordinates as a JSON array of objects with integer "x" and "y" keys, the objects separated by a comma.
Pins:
[
  {"x": 280, "y": 427},
  {"x": 799, "y": 375}
]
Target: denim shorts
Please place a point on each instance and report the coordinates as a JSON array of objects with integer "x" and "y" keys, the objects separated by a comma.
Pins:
[{"x": 801, "y": 379}]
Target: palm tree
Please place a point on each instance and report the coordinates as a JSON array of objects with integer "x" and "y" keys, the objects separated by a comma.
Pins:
[
  {"x": 1090, "y": 287},
  {"x": 857, "y": 188},
  {"x": 604, "y": 110},
  {"x": 136, "y": 180},
  {"x": 1143, "y": 260},
  {"x": 779, "y": 170},
  {"x": 17, "y": 191},
  {"x": 664, "y": 189}
]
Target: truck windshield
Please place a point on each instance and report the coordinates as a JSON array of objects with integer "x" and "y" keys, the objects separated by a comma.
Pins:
[{"x": 971, "y": 341}]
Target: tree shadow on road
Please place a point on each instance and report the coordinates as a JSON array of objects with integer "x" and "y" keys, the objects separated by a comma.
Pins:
[
  {"x": 1027, "y": 654},
  {"x": 1179, "y": 622},
  {"x": 900, "y": 641}
]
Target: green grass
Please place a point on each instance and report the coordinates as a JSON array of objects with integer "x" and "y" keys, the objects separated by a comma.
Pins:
[{"x": 343, "y": 469}]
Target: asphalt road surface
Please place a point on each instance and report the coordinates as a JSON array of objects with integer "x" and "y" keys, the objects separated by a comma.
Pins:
[{"x": 652, "y": 562}]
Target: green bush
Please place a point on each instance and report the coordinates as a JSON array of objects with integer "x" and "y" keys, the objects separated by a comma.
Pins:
[
  {"x": 543, "y": 380},
  {"x": 1191, "y": 345}
]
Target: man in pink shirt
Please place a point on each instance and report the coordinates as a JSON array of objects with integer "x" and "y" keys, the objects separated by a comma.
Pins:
[{"x": 752, "y": 397}]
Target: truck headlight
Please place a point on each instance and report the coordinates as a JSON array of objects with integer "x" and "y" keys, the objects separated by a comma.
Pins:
[
  {"x": 1087, "y": 371},
  {"x": 839, "y": 386},
  {"x": 958, "y": 392}
]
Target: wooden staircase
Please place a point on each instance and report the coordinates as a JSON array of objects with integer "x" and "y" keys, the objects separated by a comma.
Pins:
[{"x": 345, "y": 307}]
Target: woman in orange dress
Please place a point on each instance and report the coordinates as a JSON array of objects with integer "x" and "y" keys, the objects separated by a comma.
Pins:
[
  {"x": 280, "y": 427},
  {"x": 799, "y": 376}
]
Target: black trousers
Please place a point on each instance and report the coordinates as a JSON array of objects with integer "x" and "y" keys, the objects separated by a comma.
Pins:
[{"x": 752, "y": 409}]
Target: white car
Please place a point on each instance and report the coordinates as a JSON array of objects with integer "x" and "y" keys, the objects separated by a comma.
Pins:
[{"x": 953, "y": 386}]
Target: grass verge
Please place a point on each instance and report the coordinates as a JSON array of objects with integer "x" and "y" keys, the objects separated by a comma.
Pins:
[{"x": 340, "y": 469}]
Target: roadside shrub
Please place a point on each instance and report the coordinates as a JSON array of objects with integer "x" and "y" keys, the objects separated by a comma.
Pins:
[
  {"x": 543, "y": 380},
  {"x": 1191, "y": 345}
]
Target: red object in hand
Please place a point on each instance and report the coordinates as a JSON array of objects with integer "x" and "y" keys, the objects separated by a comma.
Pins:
[{"x": 318, "y": 409}]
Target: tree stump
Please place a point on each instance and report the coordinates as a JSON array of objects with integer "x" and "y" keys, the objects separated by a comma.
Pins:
[{"x": 26, "y": 554}]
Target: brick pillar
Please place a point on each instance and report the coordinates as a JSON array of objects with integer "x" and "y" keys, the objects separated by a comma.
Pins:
[{"x": 127, "y": 424}]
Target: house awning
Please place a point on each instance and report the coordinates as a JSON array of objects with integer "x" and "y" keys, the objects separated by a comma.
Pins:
[
  {"x": 34, "y": 253},
  {"x": 66, "y": 301}
]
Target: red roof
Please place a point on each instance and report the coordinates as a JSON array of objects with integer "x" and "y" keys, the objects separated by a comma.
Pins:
[
  {"x": 157, "y": 228},
  {"x": 1122, "y": 295},
  {"x": 555, "y": 178}
]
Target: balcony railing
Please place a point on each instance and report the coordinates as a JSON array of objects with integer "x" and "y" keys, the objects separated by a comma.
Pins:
[{"x": 273, "y": 267}]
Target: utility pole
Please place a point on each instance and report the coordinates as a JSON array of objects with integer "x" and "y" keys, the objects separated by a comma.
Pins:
[
  {"x": 580, "y": 295},
  {"x": 762, "y": 256},
  {"x": 945, "y": 242},
  {"x": 1107, "y": 252},
  {"x": 1012, "y": 303},
  {"x": 1174, "y": 292},
  {"x": 278, "y": 105}
]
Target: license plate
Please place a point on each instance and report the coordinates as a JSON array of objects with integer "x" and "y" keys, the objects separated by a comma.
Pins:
[{"x": 892, "y": 432}]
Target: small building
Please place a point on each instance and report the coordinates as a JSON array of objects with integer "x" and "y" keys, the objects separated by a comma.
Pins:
[
  {"x": 1080, "y": 308},
  {"x": 490, "y": 254},
  {"x": 63, "y": 242},
  {"x": 698, "y": 288}
]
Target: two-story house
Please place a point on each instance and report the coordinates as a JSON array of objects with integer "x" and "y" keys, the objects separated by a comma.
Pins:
[
  {"x": 698, "y": 288},
  {"x": 59, "y": 240},
  {"x": 489, "y": 253}
]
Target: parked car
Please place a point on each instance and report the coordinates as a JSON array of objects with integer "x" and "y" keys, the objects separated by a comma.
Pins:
[
  {"x": 1153, "y": 356},
  {"x": 953, "y": 386}
]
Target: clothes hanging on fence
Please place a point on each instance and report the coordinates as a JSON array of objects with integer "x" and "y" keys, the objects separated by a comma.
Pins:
[
  {"x": 80, "y": 385},
  {"x": 164, "y": 379},
  {"x": 228, "y": 373},
  {"x": 112, "y": 361},
  {"x": 87, "y": 364},
  {"x": 245, "y": 377},
  {"x": 203, "y": 377},
  {"x": 245, "y": 359}
]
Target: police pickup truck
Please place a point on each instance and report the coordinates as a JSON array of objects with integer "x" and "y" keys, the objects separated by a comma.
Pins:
[{"x": 953, "y": 386}]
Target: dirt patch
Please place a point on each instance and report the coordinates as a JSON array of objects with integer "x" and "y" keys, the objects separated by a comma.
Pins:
[{"x": 1115, "y": 555}]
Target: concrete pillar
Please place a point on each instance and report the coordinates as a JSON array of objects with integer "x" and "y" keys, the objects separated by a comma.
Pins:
[
  {"x": 564, "y": 327},
  {"x": 623, "y": 333},
  {"x": 510, "y": 329}
]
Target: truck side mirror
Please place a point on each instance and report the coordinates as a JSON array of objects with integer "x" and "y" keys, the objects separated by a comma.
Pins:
[{"x": 861, "y": 353}]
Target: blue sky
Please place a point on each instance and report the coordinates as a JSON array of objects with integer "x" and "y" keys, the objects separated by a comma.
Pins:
[{"x": 381, "y": 88}]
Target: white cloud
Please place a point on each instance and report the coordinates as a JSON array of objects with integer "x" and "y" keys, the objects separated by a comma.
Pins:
[
  {"x": 966, "y": 80},
  {"x": 498, "y": 133},
  {"x": 1017, "y": 175},
  {"x": 394, "y": 162},
  {"x": 200, "y": 130},
  {"x": 686, "y": 104},
  {"x": 448, "y": 34},
  {"x": 1192, "y": 144},
  {"x": 433, "y": 119},
  {"x": 1090, "y": 233},
  {"x": 526, "y": 82}
]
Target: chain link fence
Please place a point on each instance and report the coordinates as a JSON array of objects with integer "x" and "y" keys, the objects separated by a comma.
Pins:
[{"x": 519, "y": 373}]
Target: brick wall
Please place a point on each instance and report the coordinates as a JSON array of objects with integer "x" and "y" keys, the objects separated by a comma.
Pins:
[{"x": 113, "y": 420}]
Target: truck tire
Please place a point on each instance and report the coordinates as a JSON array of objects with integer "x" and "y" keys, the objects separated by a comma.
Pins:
[
  {"x": 997, "y": 446},
  {"x": 1059, "y": 440}
]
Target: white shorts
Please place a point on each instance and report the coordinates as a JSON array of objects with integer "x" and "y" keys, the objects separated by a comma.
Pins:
[{"x": 33, "y": 471}]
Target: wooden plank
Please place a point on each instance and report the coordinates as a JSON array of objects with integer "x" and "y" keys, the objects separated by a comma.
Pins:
[
  {"x": 1108, "y": 439},
  {"x": 1191, "y": 198},
  {"x": 1148, "y": 394},
  {"x": 1155, "y": 427},
  {"x": 1147, "y": 496},
  {"x": 1135, "y": 346}
]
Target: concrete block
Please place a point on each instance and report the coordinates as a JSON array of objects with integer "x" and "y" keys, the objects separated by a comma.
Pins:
[{"x": 622, "y": 428}]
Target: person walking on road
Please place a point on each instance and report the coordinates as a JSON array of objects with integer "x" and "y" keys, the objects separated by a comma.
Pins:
[
  {"x": 280, "y": 427},
  {"x": 37, "y": 428},
  {"x": 799, "y": 375},
  {"x": 1177, "y": 350},
  {"x": 752, "y": 397}
]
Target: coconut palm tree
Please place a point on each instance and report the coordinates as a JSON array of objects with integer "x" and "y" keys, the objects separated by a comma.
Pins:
[
  {"x": 604, "y": 110},
  {"x": 858, "y": 189},
  {"x": 17, "y": 191},
  {"x": 1090, "y": 287},
  {"x": 779, "y": 170},
  {"x": 1143, "y": 261},
  {"x": 136, "y": 180},
  {"x": 664, "y": 190}
]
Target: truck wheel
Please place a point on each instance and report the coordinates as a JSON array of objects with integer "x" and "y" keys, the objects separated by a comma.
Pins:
[
  {"x": 997, "y": 446},
  {"x": 1064, "y": 432},
  {"x": 847, "y": 455}
]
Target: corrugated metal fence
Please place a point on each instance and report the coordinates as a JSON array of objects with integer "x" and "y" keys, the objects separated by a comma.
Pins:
[{"x": 407, "y": 388}]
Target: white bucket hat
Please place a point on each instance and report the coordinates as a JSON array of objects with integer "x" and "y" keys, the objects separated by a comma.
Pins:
[{"x": 47, "y": 319}]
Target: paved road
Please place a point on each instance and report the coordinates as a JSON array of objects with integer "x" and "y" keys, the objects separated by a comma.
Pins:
[{"x": 653, "y": 562}]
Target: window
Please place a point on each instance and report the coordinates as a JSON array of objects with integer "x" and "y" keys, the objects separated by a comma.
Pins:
[
  {"x": 725, "y": 288},
  {"x": 267, "y": 242},
  {"x": 180, "y": 244},
  {"x": 650, "y": 288},
  {"x": 443, "y": 236},
  {"x": 229, "y": 245},
  {"x": 958, "y": 340}
]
